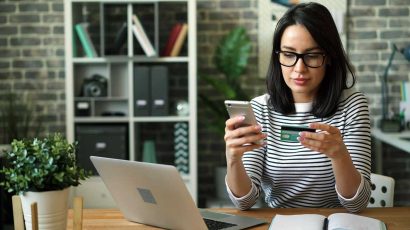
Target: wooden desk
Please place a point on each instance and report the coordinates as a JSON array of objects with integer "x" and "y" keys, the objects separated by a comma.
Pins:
[{"x": 397, "y": 218}]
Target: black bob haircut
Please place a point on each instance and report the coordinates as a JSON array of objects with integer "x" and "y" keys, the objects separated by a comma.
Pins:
[{"x": 319, "y": 22}]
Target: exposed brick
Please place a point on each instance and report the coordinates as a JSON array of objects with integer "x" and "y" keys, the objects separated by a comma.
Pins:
[
  {"x": 370, "y": 2},
  {"x": 55, "y": 63},
  {"x": 27, "y": 64},
  {"x": 35, "y": 30},
  {"x": 371, "y": 46},
  {"x": 224, "y": 15},
  {"x": 4, "y": 64},
  {"x": 32, "y": 75},
  {"x": 58, "y": 7},
  {"x": 8, "y": 30},
  {"x": 60, "y": 52},
  {"x": 5, "y": 85},
  {"x": 235, "y": 4},
  {"x": 400, "y": 2},
  {"x": 394, "y": 34},
  {"x": 401, "y": 22},
  {"x": 7, "y": 8},
  {"x": 54, "y": 41},
  {"x": 362, "y": 34},
  {"x": 9, "y": 53},
  {"x": 33, "y": 7},
  {"x": 362, "y": 12},
  {"x": 371, "y": 23},
  {"x": 58, "y": 18},
  {"x": 396, "y": 12},
  {"x": 37, "y": 52},
  {"x": 55, "y": 85},
  {"x": 3, "y": 19},
  {"x": 3, "y": 42},
  {"x": 26, "y": 41},
  {"x": 10, "y": 75},
  {"x": 24, "y": 18},
  {"x": 28, "y": 85},
  {"x": 58, "y": 30}
]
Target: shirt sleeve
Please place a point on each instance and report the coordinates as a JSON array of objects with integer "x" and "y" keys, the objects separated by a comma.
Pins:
[
  {"x": 244, "y": 202},
  {"x": 357, "y": 138}
]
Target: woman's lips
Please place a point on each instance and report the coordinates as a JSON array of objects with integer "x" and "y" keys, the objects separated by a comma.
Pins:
[{"x": 300, "y": 81}]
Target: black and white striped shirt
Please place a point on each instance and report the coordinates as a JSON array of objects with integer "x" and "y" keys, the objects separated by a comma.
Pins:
[{"x": 294, "y": 176}]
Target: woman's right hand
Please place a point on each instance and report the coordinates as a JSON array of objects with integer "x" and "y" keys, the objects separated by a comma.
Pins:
[{"x": 240, "y": 139}]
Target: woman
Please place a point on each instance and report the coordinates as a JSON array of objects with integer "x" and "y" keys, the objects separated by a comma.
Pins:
[{"x": 308, "y": 85}]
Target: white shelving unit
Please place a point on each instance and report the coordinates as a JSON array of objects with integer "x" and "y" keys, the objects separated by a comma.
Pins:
[{"x": 119, "y": 72}]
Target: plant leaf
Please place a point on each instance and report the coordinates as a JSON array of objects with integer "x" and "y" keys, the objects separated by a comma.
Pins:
[{"x": 231, "y": 57}]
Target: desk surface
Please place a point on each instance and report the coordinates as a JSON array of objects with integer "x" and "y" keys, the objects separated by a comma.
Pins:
[
  {"x": 395, "y": 218},
  {"x": 394, "y": 139}
]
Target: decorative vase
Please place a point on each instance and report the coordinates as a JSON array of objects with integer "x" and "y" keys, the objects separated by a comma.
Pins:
[
  {"x": 148, "y": 152},
  {"x": 51, "y": 208}
]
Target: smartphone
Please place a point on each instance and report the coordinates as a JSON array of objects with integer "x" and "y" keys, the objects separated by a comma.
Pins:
[{"x": 241, "y": 108}]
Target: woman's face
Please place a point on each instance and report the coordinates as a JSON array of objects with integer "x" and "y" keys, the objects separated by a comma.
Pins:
[{"x": 303, "y": 81}]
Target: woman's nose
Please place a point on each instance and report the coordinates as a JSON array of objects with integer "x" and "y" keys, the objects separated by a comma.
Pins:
[{"x": 300, "y": 66}]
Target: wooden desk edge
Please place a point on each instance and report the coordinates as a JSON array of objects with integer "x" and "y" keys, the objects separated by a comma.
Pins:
[{"x": 395, "y": 218}]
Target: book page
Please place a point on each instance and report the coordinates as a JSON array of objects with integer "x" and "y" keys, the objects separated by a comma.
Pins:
[
  {"x": 346, "y": 221},
  {"x": 297, "y": 222}
]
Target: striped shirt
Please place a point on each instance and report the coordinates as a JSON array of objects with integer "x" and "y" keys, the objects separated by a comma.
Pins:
[{"x": 291, "y": 175}]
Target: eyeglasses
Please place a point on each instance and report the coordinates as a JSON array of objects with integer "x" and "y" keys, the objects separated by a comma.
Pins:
[{"x": 312, "y": 60}]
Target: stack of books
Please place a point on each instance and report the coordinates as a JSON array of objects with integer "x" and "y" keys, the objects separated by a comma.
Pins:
[{"x": 176, "y": 40}]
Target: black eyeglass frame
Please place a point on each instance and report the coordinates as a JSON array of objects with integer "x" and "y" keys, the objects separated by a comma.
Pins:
[{"x": 301, "y": 56}]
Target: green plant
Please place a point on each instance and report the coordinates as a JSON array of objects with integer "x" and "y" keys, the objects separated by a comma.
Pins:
[
  {"x": 230, "y": 58},
  {"x": 17, "y": 118},
  {"x": 41, "y": 165}
]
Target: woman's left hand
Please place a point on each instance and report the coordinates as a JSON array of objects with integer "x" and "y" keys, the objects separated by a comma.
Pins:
[{"x": 328, "y": 140}]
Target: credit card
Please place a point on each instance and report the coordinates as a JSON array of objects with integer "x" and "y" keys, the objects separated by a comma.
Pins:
[{"x": 291, "y": 133}]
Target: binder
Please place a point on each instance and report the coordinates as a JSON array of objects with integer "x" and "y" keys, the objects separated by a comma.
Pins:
[
  {"x": 159, "y": 91},
  {"x": 141, "y": 91}
]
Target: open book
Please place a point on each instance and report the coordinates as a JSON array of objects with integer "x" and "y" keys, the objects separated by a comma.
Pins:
[{"x": 336, "y": 221}]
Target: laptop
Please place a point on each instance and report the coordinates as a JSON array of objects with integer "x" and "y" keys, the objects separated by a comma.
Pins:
[{"x": 155, "y": 194}]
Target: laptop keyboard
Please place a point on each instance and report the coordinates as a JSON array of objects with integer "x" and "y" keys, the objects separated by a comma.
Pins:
[{"x": 215, "y": 225}]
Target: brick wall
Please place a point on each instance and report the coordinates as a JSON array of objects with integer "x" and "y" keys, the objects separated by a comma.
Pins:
[
  {"x": 32, "y": 60},
  {"x": 32, "y": 56},
  {"x": 374, "y": 26}
]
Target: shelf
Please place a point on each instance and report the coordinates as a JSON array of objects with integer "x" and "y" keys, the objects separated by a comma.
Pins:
[
  {"x": 120, "y": 96},
  {"x": 113, "y": 119},
  {"x": 122, "y": 59}
]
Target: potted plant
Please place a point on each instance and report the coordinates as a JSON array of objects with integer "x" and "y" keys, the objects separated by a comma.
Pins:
[
  {"x": 230, "y": 59},
  {"x": 17, "y": 120},
  {"x": 42, "y": 170}
]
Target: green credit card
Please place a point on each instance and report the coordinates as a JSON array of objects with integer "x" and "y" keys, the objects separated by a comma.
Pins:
[{"x": 291, "y": 133}]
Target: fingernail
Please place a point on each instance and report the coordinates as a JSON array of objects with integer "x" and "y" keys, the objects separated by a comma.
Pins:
[
  {"x": 300, "y": 139},
  {"x": 241, "y": 118},
  {"x": 301, "y": 134}
]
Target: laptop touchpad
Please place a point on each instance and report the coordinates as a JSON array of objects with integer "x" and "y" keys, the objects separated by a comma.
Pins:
[{"x": 213, "y": 215}]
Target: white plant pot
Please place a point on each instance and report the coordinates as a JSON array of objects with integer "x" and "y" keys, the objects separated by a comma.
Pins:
[{"x": 52, "y": 209}]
